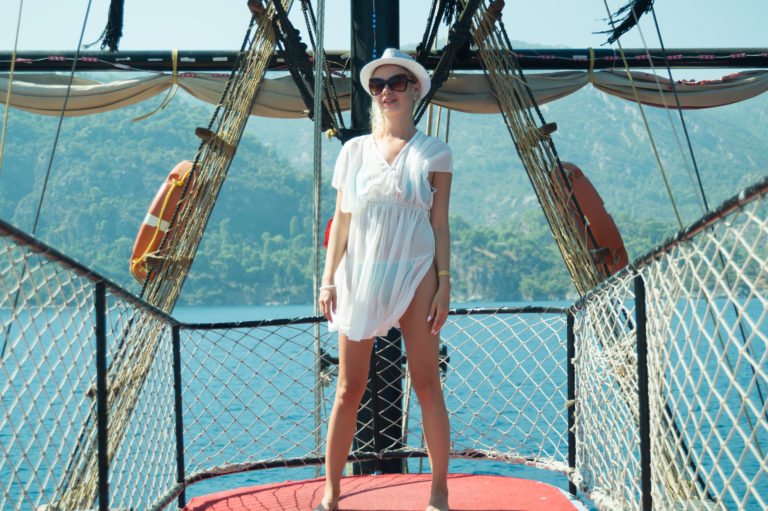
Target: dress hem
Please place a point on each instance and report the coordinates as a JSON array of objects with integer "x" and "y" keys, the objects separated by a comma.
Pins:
[{"x": 419, "y": 278}]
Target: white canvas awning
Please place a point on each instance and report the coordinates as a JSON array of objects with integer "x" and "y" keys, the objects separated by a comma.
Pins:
[{"x": 45, "y": 93}]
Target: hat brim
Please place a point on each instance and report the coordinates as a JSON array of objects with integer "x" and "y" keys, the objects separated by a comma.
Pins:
[{"x": 411, "y": 65}]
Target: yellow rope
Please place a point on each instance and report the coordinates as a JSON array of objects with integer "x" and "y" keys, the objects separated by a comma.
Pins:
[
  {"x": 171, "y": 91},
  {"x": 10, "y": 85},
  {"x": 645, "y": 122}
]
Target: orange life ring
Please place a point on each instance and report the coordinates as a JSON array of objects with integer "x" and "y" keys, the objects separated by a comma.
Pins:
[
  {"x": 327, "y": 232},
  {"x": 607, "y": 247},
  {"x": 158, "y": 219}
]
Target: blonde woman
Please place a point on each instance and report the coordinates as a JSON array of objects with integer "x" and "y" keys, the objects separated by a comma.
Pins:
[{"x": 388, "y": 260}]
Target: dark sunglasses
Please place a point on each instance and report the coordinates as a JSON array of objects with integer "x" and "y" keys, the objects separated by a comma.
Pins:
[{"x": 396, "y": 83}]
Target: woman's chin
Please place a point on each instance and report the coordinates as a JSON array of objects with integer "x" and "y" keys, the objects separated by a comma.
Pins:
[{"x": 392, "y": 109}]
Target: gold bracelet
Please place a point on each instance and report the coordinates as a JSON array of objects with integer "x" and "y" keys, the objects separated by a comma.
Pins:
[{"x": 444, "y": 272}]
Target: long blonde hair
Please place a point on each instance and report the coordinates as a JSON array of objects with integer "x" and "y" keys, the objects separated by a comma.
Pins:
[{"x": 375, "y": 113}]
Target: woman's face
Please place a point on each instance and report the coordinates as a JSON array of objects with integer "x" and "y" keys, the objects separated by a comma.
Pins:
[{"x": 393, "y": 101}]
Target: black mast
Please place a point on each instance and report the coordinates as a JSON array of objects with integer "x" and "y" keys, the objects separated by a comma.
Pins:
[{"x": 375, "y": 27}]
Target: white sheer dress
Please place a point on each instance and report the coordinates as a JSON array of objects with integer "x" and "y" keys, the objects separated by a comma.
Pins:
[{"x": 391, "y": 245}]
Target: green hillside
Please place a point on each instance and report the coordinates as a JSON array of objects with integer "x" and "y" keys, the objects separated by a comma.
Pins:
[{"x": 257, "y": 248}]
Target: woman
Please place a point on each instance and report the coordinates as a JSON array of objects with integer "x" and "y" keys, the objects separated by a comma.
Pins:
[{"x": 388, "y": 262}]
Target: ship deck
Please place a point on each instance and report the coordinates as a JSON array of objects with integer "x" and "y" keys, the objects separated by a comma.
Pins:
[{"x": 394, "y": 492}]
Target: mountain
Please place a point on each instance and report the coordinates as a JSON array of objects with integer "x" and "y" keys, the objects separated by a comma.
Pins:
[
  {"x": 257, "y": 248},
  {"x": 606, "y": 138}
]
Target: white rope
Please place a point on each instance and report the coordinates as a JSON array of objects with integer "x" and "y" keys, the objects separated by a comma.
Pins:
[
  {"x": 663, "y": 97},
  {"x": 10, "y": 85},
  {"x": 317, "y": 215},
  {"x": 61, "y": 118},
  {"x": 647, "y": 127}
]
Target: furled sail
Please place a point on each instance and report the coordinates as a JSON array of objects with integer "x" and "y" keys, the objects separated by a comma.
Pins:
[{"x": 465, "y": 92}]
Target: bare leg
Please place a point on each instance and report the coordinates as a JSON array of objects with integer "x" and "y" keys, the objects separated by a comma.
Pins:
[
  {"x": 354, "y": 361},
  {"x": 423, "y": 350}
]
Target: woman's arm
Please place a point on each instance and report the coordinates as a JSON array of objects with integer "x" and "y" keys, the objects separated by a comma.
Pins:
[
  {"x": 438, "y": 218},
  {"x": 337, "y": 245}
]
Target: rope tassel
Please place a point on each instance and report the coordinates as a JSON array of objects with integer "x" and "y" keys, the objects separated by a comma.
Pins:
[
  {"x": 114, "y": 29},
  {"x": 631, "y": 12}
]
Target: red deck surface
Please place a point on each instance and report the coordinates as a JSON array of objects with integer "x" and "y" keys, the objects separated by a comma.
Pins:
[{"x": 393, "y": 492}]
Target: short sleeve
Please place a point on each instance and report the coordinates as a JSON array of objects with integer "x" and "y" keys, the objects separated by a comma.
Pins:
[
  {"x": 443, "y": 162},
  {"x": 438, "y": 156},
  {"x": 341, "y": 169}
]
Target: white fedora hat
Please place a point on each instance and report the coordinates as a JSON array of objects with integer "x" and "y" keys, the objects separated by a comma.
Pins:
[{"x": 393, "y": 56}]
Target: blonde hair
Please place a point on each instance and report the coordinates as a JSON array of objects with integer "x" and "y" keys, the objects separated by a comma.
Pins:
[{"x": 377, "y": 116}]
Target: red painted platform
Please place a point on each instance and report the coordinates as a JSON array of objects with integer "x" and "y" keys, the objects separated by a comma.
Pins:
[{"x": 394, "y": 492}]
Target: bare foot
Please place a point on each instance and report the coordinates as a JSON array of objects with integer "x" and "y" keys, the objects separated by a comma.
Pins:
[
  {"x": 438, "y": 502},
  {"x": 323, "y": 506}
]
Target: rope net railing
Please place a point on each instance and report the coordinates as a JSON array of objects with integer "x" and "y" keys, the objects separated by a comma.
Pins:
[
  {"x": 252, "y": 389},
  {"x": 140, "y": 337},
  {"x": 706, "y": 300},
  {"x": 47, "y": 362},
  {"x": 248, "y": 391},
  {"x": 249, "y": 397}
]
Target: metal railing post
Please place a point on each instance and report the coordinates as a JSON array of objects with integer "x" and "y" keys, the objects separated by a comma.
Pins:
[
  {"x": 642, "y": 390},
  {"x": 100, "y": 308},
  {"x": 571, "y": 354},
  {"x": 178, "y": 411}
]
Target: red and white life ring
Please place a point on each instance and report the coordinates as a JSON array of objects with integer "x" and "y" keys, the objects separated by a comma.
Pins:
[
  {"x": 158, "y": 219},
  {"x": 607, "y": 247}
]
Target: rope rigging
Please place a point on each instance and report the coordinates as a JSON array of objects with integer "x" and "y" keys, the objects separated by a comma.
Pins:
[
  {"x": 320, "y": 65},
  {"x": 459, "y": 38},
  {"x": 141, "y": 336},
  {"x": 58, "y": 129},
  {"x": 446, "y": 11},
  {"x": 585, "y": 273},
  {"x": 61, "y": 117},
  {"x": 536, "y": 150},
  {"x": 294, "y": 51},
  {"x": 10, "y": 85},
  {"x": 2, "y": 149},
  {"x": 315, "y": 31},
  {"x": 647, "y": 126},
  {"x": 680, "y": 111},
  {"x": 705, "y": 206}
]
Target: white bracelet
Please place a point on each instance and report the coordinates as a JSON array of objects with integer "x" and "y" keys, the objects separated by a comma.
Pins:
[{"x": 329, "y": 286}]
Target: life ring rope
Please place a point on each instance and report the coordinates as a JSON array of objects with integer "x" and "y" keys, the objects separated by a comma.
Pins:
[{"x": 159, "y": 225}]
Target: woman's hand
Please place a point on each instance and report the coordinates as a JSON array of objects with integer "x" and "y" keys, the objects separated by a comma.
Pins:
[
  {"x": 327, "y": 301},
  {"x": 438, "y": 311}
]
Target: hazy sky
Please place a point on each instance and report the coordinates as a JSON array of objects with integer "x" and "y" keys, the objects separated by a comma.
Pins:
[{"x": 221, "y": 24}]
